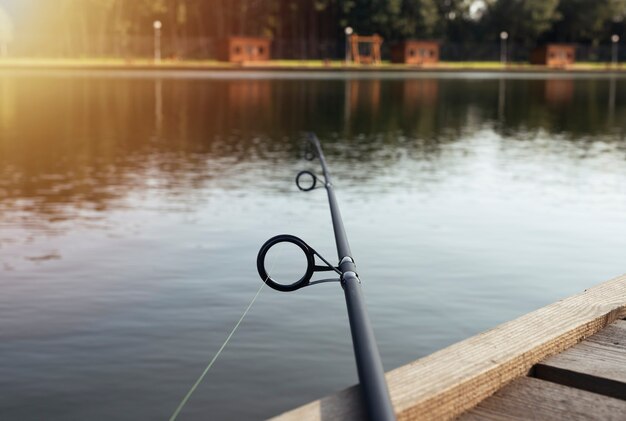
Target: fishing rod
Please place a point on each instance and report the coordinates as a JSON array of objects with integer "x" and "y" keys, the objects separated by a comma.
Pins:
[{"x": 373, "y": 386}]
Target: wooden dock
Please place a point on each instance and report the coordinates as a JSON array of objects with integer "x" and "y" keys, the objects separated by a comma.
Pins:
[
  {"x": 566, "y": 361},
  {"x": 585, "y": 382}
]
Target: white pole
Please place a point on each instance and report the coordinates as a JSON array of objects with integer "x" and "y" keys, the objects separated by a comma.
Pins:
[
  {"x": 615, "y": 40},
  {"x": 503, "y": 37},
  {"x": 157, "y": 41},
  {"x": 348, "y": 32}
]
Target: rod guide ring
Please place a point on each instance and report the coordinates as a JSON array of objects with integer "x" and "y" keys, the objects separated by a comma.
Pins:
[
  {"x": 272, "y": 283},
  {"x": 308, "y": 174}
]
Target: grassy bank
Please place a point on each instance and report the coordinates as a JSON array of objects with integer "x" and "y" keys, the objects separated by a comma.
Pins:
[{"x": 117, "y": 63}]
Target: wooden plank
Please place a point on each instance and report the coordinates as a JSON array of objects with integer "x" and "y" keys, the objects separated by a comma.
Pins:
[
  {"x": 532, "y": 399},
  {"x": 613, "y": 336},
  {"x": 443, "y": 385},
  {"x": 597, "y": 364}
]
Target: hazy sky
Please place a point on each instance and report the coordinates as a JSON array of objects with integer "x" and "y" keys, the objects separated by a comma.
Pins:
[{"x": 15, "y": 6}]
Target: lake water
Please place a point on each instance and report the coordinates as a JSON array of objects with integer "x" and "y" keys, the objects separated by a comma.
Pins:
[{"x": 132, "y": 208}]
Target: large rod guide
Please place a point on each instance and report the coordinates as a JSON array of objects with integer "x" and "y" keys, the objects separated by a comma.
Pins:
[{"x": 374, "y": 390}]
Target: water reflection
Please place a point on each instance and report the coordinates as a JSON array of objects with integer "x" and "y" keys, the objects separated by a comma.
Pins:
[
  {"x": 612, "y": 99},
  {"x": 559, "y": 91},
  {"x": 501, "y": 100},
  {"x": 93, "y": 140},
  {"x": 158, "y": 107}
]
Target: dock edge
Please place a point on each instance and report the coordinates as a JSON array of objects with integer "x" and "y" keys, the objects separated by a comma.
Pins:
[{"x": 443, "y": 385}]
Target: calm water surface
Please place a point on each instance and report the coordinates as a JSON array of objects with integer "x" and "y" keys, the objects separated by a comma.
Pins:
[{"x": 132, "y": 209}]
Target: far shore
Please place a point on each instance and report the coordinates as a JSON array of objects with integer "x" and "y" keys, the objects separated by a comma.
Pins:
[
  {"x": 293, "y": 65},
  {"x": 336, "y": 66}
]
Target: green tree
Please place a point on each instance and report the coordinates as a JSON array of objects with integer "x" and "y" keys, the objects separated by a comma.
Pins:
[
  {"x": 524, "y": 20},
  {"x": 393, "y": 19},
  {"x": 587, "y": 20},
  {"x": 455, "y": 22}
]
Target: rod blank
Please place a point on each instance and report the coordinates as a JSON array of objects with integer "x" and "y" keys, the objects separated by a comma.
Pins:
[{"x": 374, "y": 390}]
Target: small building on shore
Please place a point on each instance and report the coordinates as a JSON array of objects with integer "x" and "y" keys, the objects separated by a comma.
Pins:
[
  {"x": 554, "y": 55},
  {"x": 416, "y": 52},
  {"x": 242, "y": 49},
  {"x": 6, "y": 32}
]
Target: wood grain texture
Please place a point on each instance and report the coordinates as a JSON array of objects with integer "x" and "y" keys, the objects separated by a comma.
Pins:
[
  {"x": 443, "y": 385},
  {"x": 598, "y": 364},
  {"x": 532, "y": 399}
]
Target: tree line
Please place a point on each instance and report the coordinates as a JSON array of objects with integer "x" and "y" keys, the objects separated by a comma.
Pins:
[{"x": 527, "y": 22}]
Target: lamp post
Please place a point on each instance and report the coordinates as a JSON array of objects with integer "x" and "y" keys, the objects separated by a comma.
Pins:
[
  {"x": 348, "y": 32},
  {"x": 615, "y": 46},
  {"x": 503, "y": 37},
  {"x": 157, "y": 25}
]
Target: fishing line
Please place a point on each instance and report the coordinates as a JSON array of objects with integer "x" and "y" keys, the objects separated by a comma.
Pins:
[
  {"x": 232, "y": 332},
  {"x": 208, "y": 367}
]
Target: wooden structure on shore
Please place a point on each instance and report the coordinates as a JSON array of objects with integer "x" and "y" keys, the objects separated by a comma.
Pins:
[
  {"x": 554, "y": 55},
  {"x": 415, "y": 52},
  {"x": 244, "y": 49},
  {"x": 365, "y": 49},
  {"x": 564, "y": 361}
]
